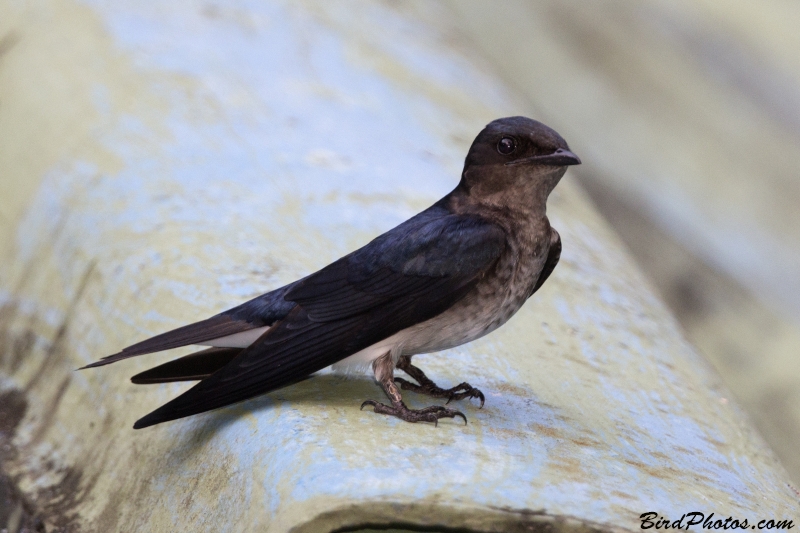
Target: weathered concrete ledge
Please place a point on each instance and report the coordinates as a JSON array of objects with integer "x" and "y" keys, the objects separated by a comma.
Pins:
[{"x": 164, "y": 163}]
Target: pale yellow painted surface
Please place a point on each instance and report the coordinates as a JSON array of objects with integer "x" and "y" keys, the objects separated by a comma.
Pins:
[{"x": 223, "y": 152}]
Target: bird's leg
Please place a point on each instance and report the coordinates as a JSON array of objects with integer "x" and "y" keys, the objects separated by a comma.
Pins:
[
  {"x": 426, "y": 386},
  {"x": 384, "y": 373}
]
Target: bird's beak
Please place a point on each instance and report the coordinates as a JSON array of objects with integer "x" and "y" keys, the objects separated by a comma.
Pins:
[{"x": 559, "y": 158}]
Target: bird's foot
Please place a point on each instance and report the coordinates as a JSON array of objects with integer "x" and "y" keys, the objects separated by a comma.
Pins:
[
  {"x": 428, "y": 414},
  {"x": 459, "y": 392}
]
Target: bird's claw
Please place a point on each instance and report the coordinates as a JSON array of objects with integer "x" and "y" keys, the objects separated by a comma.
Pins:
[
  {"x": 459, "y": 392},
  {"x": 428, "y": 414},
  {"x": 469, "y": 392},
  {"x": 367, "y": 402}
]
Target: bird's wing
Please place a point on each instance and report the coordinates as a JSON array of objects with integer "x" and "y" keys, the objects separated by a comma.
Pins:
[
  {"x": 402, "y": 278},
  {"x": 262, "y": 311},
  {"x": 553, "y": 255}
]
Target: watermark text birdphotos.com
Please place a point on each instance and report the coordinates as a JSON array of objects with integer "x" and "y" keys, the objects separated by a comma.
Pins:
[{"x": 700, "y": 520}]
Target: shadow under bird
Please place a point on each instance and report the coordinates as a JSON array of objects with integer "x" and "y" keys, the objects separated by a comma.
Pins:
[{"x": 449, "y": 275}]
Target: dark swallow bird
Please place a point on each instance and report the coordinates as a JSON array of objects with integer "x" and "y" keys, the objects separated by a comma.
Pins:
[{"x": 449, "y": 275}]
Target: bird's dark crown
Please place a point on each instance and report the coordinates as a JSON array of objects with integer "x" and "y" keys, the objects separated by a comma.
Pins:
[{"x": 519, "y": 140}]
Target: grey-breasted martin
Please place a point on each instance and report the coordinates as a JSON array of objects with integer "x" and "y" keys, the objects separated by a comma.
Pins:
[{"x": 449, "y": 275}]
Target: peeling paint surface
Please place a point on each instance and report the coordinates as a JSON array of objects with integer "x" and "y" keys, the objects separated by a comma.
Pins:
[{"x": 232, "y": 148}]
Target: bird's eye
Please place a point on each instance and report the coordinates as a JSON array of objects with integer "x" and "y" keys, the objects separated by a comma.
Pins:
[{"x": 506, "y": 145}]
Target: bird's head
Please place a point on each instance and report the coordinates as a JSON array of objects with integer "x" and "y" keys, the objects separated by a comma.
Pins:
[{"x": 516, "y": 155}]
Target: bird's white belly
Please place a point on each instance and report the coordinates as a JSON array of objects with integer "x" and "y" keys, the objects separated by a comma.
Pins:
[{"x": 361, "y": 361}]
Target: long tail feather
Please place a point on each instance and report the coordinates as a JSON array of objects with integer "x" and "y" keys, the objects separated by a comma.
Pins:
[
  {"x": 205, "y": 330},
  {"x": 192, "y": 367}
]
